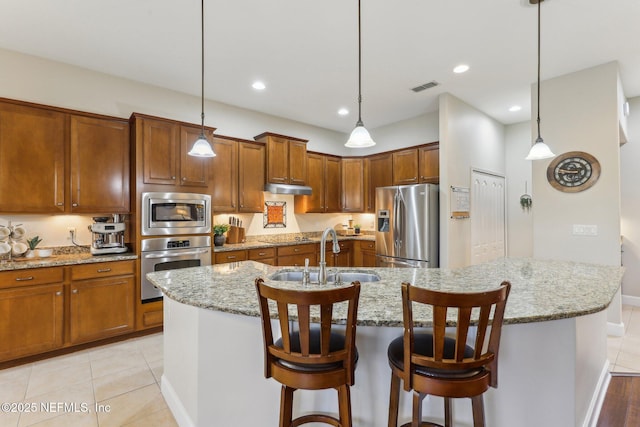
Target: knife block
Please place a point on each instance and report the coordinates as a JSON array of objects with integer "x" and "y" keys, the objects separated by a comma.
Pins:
[{"x": 235, "y": 234}]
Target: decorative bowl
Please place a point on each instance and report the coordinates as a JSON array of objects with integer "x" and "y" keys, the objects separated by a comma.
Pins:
[
  {"x": 5, "y": 248},
  {"x": 44, "y": 253},
  {"x": 19, "y": 249},
  {"x": 4, "y": 233}
]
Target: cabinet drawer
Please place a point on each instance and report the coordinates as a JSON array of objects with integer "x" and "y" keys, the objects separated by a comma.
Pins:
[
  {"x": 297, "y": 249},
  {"x": 367, "y": 246},
  {"x": 230, "y": 256},
  {"x": 31, "y": 276},
  {"x": 262, "y": 253},
  {"x": 102, "y": 269}
]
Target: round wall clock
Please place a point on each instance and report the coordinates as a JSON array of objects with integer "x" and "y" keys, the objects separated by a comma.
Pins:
[{"x": 573, "y": 171}]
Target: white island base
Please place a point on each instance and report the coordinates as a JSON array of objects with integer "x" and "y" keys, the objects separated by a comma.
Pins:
[{"x": 551, "y": 374}]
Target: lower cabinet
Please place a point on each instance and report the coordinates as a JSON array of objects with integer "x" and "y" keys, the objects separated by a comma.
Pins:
[
  {"x": 295, "y": 255},
  {"x": 365, "y": 253},
  {"x": 344, "y": 258},
  {"x": 263, "y": 255},
  {"x": 230, "y": 256},
  {"x": 101, "y": 305}
]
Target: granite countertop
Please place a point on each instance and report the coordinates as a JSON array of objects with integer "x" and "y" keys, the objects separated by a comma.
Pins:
[
  {"x": 63, "y": 256},
  {"x": 541, "y": 289},
  {"x": 268, "y": 241}
]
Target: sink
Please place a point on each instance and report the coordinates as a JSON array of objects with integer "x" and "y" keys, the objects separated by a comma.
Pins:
[{"x": 345, "y": 276}]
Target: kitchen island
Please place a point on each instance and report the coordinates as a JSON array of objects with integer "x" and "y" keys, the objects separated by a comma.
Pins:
[{"x": 553, "y": 362}]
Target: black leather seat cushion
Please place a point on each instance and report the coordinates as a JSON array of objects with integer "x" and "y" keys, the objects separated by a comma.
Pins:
[
  {"x": 336, "y": 343},
  {"x": 423, "y": 344}
]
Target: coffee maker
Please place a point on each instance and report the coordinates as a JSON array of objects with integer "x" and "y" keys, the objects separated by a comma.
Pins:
[{"x": 107, "y": 237}]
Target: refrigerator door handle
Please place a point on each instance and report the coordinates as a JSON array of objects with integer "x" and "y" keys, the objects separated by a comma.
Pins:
[{"x": 396, "y": 223}]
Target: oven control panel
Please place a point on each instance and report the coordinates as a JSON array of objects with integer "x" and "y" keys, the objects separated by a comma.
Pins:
[{"x": 173, "y": 244}]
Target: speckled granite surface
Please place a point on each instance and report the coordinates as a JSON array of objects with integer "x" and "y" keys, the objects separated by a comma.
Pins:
[
  {"x": 541, "y": 290},
  {"x": 64, "y": 255}
]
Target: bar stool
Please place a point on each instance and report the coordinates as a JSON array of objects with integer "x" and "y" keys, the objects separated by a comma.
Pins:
[
  {"x": 433, "y": 363},
  {"x": 314, "y": 357}
]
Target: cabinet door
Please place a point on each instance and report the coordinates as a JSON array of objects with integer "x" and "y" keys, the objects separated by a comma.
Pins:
[
  {"x": 224, "y": 191},
  {"x": 32, "y": 159},
  {"x": 31, "y": 320},
  {"x": 277, "y": 160},
  {"x": 159, "y": 150},
  {"x": 101, "y": 308},
  {"x": 99, "y": 165},
  {"x": 251, "y": 177},
  {"x": 429, "y": 164},
  {"x": 405, "y": 167},
  {"x": 194, "y": 171},
  {"x": 352, "y": 185},
  {"x": 230, "y": 256},
  {"x": 297, "y": 162},
  {"x": 315, "y": 174},
  {"x": 332, "y": 185},
  {"x": 380, "y": 174}
]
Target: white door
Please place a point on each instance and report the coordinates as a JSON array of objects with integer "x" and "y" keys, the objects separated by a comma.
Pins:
[{"x": 488, "y": 228}]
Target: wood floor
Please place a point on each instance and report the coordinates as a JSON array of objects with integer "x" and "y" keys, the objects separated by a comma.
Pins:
[{"x": 621, "y": 406}]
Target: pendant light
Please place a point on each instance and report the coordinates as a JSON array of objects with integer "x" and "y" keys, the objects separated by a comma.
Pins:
[
  {"x": 359, "y": 137},
  {"x": 539, "y": 150},
  {"x": 202, "y": 148}
]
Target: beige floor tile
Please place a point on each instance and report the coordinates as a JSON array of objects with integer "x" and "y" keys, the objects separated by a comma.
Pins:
[
  {"x": 162, "y": 418},
  {"x": 132, "y": 406},
  {"x": 13, "y": 383},
  {"x": 122, "y": 382},
  {"x": 9, "y": 419},
  {"x": 49, "y": 377},
  {"x": 157, "y": 368},
  {"x": 629, "y": 361},
  {"x": 117, "y": 361},
  {"x": 89, "y": 419},
  {"x": 74, "y": 396},
  {"x": 114, "y": 350}
]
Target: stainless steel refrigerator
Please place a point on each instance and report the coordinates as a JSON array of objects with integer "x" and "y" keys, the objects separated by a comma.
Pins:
[{"x": 407, "y": 226}]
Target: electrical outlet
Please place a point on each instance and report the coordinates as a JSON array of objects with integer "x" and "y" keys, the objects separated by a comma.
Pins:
[
  {"x": 72, "y": 233},
  {"x": 585, "y": 230}
]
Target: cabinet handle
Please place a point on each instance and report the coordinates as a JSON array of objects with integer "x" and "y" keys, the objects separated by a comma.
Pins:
[
  {"x": 22, "y": 279},
  {"x": 104, "y": 270},
  {"x": 59, "y": 204},
  {"x": 262, "y": 253},
  {"x": 74, "y": 204},
  {"x": 74, "y": 291},
  {"x": 184, "y": 178},
  {"x": 231, "y": 257},
  {"x": 58, "y": 293},
  {"x": 173, "y": 177},
  {"x": 296, "y": 250}
]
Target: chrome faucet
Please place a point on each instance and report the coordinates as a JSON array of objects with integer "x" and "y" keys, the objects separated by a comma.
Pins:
[{"x": 322, "y": 274}]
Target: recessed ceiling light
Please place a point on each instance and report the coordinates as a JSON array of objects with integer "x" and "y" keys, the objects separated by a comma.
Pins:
[
  {"x": 343, "y": 111},
  {"x": 462, "y": 68},
  {"x": 514, "y": 108},
  {"x": 258, "y": 85}
]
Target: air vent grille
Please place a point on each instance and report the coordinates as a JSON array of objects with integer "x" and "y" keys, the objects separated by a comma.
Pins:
[{"x": 425, "y": 86}]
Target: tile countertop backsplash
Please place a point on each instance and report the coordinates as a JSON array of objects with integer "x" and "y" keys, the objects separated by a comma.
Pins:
[
  {"x": 261, "y": 241},
  {"x": 63, "y": 255}
]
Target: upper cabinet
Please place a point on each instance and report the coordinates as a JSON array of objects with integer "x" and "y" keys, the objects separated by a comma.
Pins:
[
  {"x": 165, "y": 145},
  {"x": 324, "y": 180},
  {"x": 429, "y": 161},
  {"x": 417, "y": 165},
  {"x": 378, "y": 170},
  {"x": 99, "y": 165},
  {"x": 53, "y": 161},
  {"x": 251, "y": 165},
  {"x": 353, "y": 197},
  {"x": 286, "y": 158},
  {"x": 224, "y": 197}
]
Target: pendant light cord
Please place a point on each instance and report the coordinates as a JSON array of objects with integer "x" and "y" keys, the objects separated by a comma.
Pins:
[
  {"x": 359, "y": 70},
  {"x": 538, "y": 119},
  {"x": 202, "y": 65}
]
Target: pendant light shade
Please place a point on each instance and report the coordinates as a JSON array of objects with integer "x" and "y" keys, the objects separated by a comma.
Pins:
[
  {"x": 359, "y": 137},
  {"x": 539, "y": 150},
  {"x": 202, "y": 148}
]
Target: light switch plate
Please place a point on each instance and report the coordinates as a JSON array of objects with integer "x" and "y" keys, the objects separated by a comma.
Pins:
[{"x": 585, "y": 230}]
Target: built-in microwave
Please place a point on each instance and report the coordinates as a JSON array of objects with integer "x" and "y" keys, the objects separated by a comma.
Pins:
[{"x": 175, "y": 213}]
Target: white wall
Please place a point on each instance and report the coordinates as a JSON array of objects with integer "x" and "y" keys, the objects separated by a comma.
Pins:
[
  {"x": 630, "y": 195},
  {"x": 519, "y": 221},
  {"x": 468, "y": 139},
  {"x": 579, "y": 112}
]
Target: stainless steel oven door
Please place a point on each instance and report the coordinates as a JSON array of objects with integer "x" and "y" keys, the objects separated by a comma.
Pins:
[{"x": 169, "y": 259}]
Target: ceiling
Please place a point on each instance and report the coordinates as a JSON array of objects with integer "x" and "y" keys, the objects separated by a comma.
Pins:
[{"x": 306, "y": 51}]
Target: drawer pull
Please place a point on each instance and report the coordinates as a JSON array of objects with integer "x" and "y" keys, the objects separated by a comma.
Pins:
[
  {"x": 296, "y": 250},
  {"x": 231, "y": 257},
  {"x": 75, "y": 291},
  {"x": 58, "y": 293},
  {"x": 104, "y": 270},
  {"x": 262, "y": 253},
  {"x": 22, "y": 279}
]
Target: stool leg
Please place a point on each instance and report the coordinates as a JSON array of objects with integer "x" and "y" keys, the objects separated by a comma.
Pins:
[
  {"x": 416, "y": 421},
  {"x": 448, "y": 411},
  {"x": 477, "y": 403},
  {"x": 394, "y": 400},
  {"x": 344, "y": 405},
  {"x": 286, "y": 406}
]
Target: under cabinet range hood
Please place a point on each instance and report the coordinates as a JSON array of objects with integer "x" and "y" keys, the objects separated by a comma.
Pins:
[{"x": 287, "y": 189}]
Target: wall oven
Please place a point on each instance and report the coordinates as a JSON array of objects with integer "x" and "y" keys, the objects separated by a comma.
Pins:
[
  {"x": 170, "y": 253},
  {"x": 175, "y": 213}
]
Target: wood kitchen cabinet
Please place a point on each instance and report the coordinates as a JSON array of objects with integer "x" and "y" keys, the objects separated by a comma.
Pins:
[
  {"x": 251, "y": 165},
  {"x": 364, "y": 253},
  {"x": 31, "y": 312},
  {"x": 324, "y": 179},
  {"x": 352, "y": 179},
  {"x": 295, "y": 255},
  {"x": 99, "y": 165},
  {"x": 429, "y": 163},
  {"x": 263, "y": 255},
  {"x": 33, "y": 163},
  {"x": 405, "y": 167},
  {"x": 101, "y": 300},
  {"x": 224, "y": 194},
  {"x": 286, "y": 158},
  {"x": 379, "y": 173},
  {"x": 342, "y": 259},
  {"x": 230, "y": 256},
  {"x": 165, "y": 144}
]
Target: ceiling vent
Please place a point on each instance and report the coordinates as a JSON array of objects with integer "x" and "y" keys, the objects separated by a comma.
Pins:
[{"x": 425, "y": 86}]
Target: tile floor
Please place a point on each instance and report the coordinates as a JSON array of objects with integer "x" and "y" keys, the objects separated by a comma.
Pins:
[
  {"x": 119, "y": 384},
  {"x": 113, "y": 385}
]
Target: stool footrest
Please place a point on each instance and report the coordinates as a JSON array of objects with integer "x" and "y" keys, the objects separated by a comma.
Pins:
[
  {"x": 316, "y": 418},
  {"x": 423, "y": 424}
]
